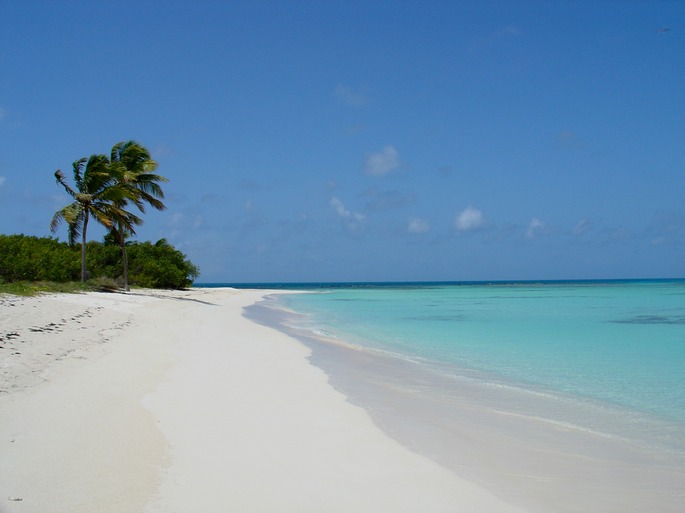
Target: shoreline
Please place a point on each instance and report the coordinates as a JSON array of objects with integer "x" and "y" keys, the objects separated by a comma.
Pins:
[
  {"x": 174, "y": 401},
  {"x": 534, "y": 453}
]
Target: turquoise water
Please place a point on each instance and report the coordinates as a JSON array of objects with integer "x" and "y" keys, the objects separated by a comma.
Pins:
[
  {"x": 560, "y": 397},
  {"x": 620, "y": 342}
]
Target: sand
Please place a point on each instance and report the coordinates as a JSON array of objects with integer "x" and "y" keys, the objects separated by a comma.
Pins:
[{"x": 162, "y": 402}]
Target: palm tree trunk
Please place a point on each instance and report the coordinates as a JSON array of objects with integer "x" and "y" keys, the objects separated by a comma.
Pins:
[
  {"x": 120, "y": 237},
  {"x": 83, "y": 248},
  {"x": 126, "y": 286},
  {"x": 124, "y": 257}
]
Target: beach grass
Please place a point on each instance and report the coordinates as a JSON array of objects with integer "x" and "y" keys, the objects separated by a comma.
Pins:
[{"x": 30, "y": 288}]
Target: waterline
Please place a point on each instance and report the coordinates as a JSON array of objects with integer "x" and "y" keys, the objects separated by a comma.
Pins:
[{"x": 532, "y": 442}]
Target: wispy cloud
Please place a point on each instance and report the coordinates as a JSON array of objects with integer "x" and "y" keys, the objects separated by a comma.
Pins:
[
  {"x": 2, "y": 180},
  {"x": 582, "y": 226},
  {"x": 469, "y": 219},
  {"x": 509, "y": 31},
  {"x": 382, "y": 162},
  {"x": 343, "y": 212},
  {"x": 250, "y": 185},
  {"x": 387, "y": 200},
  {"x": 350, "y": 97},
  {"x": 667, "y": 221},
  {"x": 176, "y": 218},
  {"x": 615, "y": 234},
  {"x": 569, "y": 139},
  {"x": 417, "y": 225},
  {"x": 535, "y": 228},
  {"x": 180, "y": 222},
  {"x": 250, "y": 206},
  {"x": 490, "y": 40},
  {"x": 666, "y": 226}
]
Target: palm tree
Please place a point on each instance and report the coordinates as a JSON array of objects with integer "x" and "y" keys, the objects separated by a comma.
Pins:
[
  {"x": 96, "y": 195},
  {"x": 120, "y": 231},
  {"x": 132, "y": 169}
]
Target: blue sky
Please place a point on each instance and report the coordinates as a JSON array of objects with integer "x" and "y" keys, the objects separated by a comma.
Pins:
[{"x": 364, "y": 141}]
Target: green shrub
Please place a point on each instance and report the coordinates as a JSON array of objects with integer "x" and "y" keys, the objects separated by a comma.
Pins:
[
  {"x": 37, "y": 259},
  {"x": 32, "y": 259},
  {"x": 159, "y": 265}
]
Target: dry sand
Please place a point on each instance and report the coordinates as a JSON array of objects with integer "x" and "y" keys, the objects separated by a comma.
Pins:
[{"x": 174, "y": 402}]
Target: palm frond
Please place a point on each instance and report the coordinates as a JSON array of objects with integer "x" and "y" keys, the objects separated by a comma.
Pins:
[
  {"x": 78, "y": 172},
  {"x": 56, "y": 220},
  {"x": 72, "y": 214},
  {"x": 117, "y": 149},
  {"x": 150, "y": 183},
  {"x": 61, "y": 180},
  {"x": 132, "y": 167},
  {"x": 97, "y": 176},
  {"x": 152, "y": 201},
  {"x": 73, "y": 233}
]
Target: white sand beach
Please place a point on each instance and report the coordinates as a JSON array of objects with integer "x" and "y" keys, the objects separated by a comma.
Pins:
[{"x": 164, "y": 402}]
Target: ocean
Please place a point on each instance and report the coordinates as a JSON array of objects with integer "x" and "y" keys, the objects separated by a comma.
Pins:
[
  {"x": 620, "y": 342},
  {"x": 557, "y": 375}
]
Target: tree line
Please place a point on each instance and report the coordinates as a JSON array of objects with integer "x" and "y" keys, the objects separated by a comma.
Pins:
[{"x": 45, "y": 259}]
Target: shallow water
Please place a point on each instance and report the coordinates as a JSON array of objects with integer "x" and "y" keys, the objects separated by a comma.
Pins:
[
  {"x": 623, "y": 343},
  {"x": 564, "y": 397}
]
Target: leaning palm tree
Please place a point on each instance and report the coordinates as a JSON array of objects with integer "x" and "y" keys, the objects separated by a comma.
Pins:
[
  {"x": 96, "y": 195},
  {"x": 132, "y": 169}
]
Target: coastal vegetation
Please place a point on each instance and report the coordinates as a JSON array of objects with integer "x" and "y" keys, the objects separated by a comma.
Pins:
[
  {"x": 28, "y": 259},
  {"x": 104, "y": 190}
]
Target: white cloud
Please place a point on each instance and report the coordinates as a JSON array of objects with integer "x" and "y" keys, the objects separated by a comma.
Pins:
[
  {"x": 469, "y": 219},
  {"x": 417, "y": 225},
  {"x": 339, "y": 207},
  {"x": 350, "y": 97},
  {"x": 535, "y": 228},
  {"x": 382, "y": 162},
  {"x": 2, "y": 180}
]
